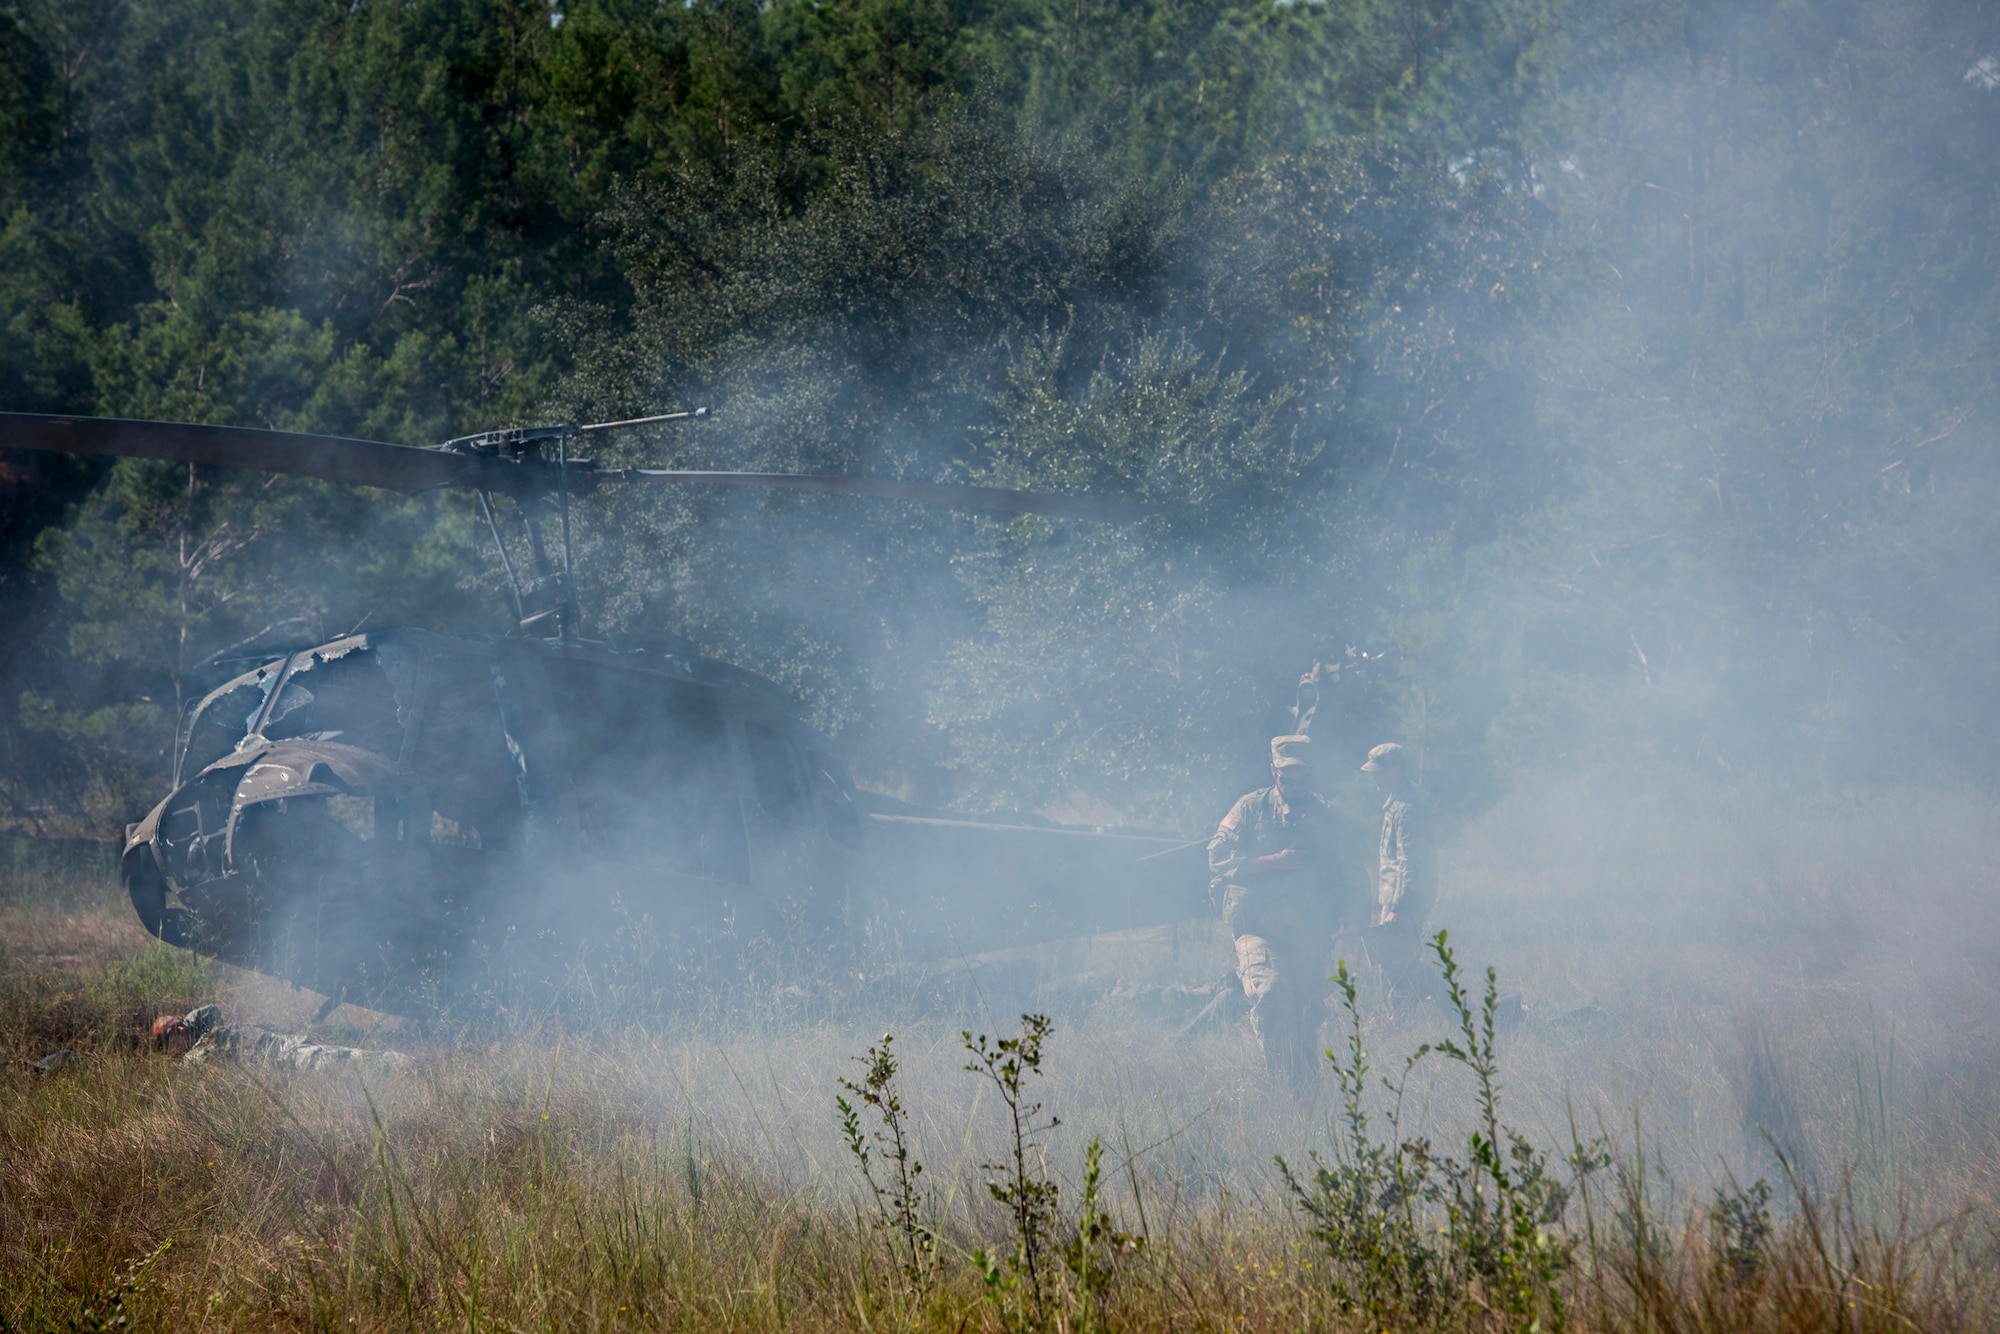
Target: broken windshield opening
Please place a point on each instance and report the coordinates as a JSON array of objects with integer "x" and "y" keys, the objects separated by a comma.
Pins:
[
  {"x": 219, "y": 724},
  {"x": 338, "y": 694}
]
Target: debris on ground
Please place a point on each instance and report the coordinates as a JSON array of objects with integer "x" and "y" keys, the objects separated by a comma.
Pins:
[
  {"x": 200, "y": 1036},
  {"x": 333, "y": 1002}
]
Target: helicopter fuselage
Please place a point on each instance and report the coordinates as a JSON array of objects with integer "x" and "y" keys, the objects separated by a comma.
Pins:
[
  {"x": 386, "y": 811},
  {"x": 400, "y": 813}
]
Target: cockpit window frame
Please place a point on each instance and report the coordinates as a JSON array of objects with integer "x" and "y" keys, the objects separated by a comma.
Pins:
[
  {"x": 399, "y": 657},
  {"x": 186, "y": 732}
]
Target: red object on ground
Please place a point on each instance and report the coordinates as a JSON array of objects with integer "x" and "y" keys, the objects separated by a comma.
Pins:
[{"x": 172, "y": 1034}]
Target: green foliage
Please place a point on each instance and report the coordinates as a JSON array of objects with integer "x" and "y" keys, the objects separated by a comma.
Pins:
[
  {"x": 1023, "y": 1187},
  {"x": 963, "y": 301},
  {"x": 156, "y": 976},
  {"x": 1414, "y": 1236},
  {"x": 107, "y": 1313},
  {"x": 1092, "y": 1253},
  {"x": 899, "y": 1201},
  {"x": 1025, "y": 1285},
  {"x": 1365, "y": 1204},
  {"x": 1740, "y": 1221},
  {"x": 1610, "y": 365}
]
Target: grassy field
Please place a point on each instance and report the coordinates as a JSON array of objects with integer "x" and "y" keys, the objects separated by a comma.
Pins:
[{"x": 1713, "y": 997}]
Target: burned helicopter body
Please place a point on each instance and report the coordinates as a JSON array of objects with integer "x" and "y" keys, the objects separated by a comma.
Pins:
[
  {"x": 396, "y": 813},
  {"x": 386, "y": 811},
  {"x": 399, "y": 812}
]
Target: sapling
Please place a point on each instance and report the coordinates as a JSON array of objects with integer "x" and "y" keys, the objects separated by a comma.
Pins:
[
  {"x": 898, "y": 1200},
  {"x": 1023, "y": 1186},
  {"x": 1412, "y": 1233},
  {"x": 1097, "y": 1242}
]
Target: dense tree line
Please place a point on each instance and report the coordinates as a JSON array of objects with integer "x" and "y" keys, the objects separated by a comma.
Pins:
[{"x": 1625, "y": 372}]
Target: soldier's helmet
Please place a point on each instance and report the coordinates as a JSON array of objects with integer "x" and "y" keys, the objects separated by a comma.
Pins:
[
  {"x": 1291, "y": 752},
  {"x": 1388, "y": 756}
]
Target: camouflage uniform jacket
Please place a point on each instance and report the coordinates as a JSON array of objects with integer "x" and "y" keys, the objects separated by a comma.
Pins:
[
  {"x": 1277, "y": 903},
  {"x": 1406, "y": 874}
]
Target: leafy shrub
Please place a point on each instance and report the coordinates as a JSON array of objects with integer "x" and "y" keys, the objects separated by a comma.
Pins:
[
  {"x": 1412, "y": 1234},
  {"x": 1054, "y": 1274},
  {"x": 899, "y": 1200},
  {"x": 1023, "y": 1186}
]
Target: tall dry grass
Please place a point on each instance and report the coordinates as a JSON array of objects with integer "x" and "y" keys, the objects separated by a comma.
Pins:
[{"x": 1800, "y": 996}]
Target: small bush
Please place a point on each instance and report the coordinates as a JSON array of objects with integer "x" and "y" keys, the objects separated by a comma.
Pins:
[
  {"x": 156, "y": 976},
  {"x": 1412, "y": 1235},
  {"x": 1052, "y": 1272},
  {"x": 899, "y": 1200},
  {"x": 1022, "y": 1186}
]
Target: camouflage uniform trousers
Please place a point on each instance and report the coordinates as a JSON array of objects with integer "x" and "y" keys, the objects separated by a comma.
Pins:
[
  {"x": 213, "y": 1040},
  {"x": 1285, "y": 982},
  {"x": 1406, "y": 886}
]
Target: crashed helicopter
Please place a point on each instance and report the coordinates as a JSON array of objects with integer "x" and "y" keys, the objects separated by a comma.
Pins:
[{"x": 401, "y": 812}]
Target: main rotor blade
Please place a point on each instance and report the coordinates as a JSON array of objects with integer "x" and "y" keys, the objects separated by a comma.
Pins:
[
  {"x": 1095, "y": 509},
  {"x": 333, "y": 458},
  {"x": 330, "y": 458}
]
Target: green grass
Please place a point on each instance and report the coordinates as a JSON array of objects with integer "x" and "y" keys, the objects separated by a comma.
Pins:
[{"x": 1687, "y": 972}]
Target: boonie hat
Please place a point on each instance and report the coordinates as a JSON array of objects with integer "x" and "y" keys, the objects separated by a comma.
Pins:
[
  {"x": 1388, "y": 755},
  {"x": 1288, "y": 752}
]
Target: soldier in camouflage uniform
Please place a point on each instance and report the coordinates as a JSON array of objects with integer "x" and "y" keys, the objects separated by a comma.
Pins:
[
  {"x": 201, "y": 1037},
  {"x": 1405, "y": 876},
  {"x": 1276, "y": 862}
]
